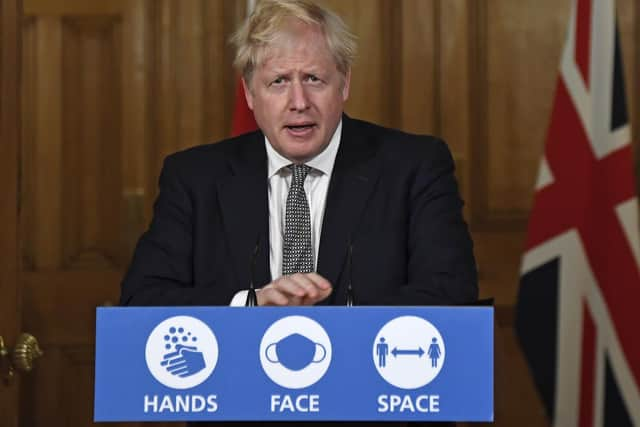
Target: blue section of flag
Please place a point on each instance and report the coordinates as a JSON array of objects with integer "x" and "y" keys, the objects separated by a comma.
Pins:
[
  {"x": 537, "y": 324},
  {"x": 619, "y": 116},
  {"x": 615, "y": 410}
]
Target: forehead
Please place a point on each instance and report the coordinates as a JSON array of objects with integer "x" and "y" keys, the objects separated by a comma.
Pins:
[{"x": 297, "y": 44}]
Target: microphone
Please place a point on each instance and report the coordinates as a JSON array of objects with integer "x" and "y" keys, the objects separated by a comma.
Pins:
[
  {"x": 350, "y": 298},
  {"x": 252, "y": 299}
]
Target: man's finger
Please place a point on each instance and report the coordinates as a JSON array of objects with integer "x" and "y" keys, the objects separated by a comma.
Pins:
[
  {"x": 319, "y": 281},
  {"x": 271, "y": 296},
  {"x": 320, "y": 288},
  {"x": 295, "y": 285},
  {"x": 309, "y": 283},
  {"x": 321, "y": 295},
  {"x": 304, "y": 282}
]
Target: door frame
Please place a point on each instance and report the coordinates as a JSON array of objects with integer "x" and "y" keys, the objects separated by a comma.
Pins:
[{"x": 10, "y": 112}]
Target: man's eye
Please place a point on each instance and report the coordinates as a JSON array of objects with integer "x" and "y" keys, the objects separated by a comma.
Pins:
[
  {"x": 313, "y": 78},
  {"x": 278, "y": 81}
]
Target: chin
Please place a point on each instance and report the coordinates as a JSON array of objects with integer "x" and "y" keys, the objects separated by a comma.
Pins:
[
  {"x": 302, "y": 155},
  {"x": 299, "y": 157}
]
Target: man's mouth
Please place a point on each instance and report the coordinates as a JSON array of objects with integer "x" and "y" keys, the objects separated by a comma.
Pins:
[{"x": 301, "y": 129}]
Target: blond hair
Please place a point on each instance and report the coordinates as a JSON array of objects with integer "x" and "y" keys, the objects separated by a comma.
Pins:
[{"x": 268, "y": 20}]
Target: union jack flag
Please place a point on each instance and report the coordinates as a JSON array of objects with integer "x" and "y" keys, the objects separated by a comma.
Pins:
[{"x": 578, "y": 311}]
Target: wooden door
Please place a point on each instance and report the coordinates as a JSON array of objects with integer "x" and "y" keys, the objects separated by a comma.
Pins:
[
  {"x": 73, "y": 218},
  {"x": 109, "y": 88}
]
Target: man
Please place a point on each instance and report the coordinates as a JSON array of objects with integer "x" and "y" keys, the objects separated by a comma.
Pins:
[
  {"x": 313, "y": 201},
  {"x": 387, "y": 198}
]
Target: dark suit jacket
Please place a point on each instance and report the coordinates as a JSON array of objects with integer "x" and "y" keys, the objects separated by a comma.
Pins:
[{"x": 393, "y": 195}]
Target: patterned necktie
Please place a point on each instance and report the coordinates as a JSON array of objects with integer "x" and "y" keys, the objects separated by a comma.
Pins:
[{"x": 297, "y": 256}]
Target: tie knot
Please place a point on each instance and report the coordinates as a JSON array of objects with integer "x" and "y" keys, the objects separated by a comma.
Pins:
[{"x": 300, "y": 172}]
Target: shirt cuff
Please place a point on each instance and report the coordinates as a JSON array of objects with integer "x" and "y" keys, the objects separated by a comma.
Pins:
[{"x": 239, "y": 299}]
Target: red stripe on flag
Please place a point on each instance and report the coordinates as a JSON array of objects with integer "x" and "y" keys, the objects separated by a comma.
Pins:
[
  {"x": 557, "y": 206},
  {"x": 587, "y": 369},
  {"x": 243, "y": 119},
  {"x": 583, "y": 38}
]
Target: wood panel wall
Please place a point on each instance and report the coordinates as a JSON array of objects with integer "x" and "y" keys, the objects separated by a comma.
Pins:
[
  {"x": 111, "y": 87},
  {"x": 192, "y": 81},
  {"x": 155, "y": 77}
]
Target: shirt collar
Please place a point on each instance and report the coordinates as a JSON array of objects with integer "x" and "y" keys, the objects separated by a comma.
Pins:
[{"x": 322, "y": 162}]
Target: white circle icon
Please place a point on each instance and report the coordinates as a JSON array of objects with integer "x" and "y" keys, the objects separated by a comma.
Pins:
[
  {"x": 295, "y": 352},
  {"x": 181, "y": 352},
  {"x": 408, "y": 352}
]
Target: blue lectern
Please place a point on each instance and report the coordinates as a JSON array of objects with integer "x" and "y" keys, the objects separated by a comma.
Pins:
[{"x": 294, "y": 364}]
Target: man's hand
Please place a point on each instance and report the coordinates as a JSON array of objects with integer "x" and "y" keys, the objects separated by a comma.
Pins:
[{"x": 297, "y": 289}]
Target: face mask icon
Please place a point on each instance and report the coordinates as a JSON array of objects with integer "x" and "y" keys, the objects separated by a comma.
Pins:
[{"x": 295, "y": 352}]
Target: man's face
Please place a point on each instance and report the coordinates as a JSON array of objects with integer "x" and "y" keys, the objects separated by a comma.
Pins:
[{"x": 297, "y": 93}]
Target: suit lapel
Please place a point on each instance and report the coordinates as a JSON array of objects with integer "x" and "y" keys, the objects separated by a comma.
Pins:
[
  {"x": 244, "y": 204},
  {"x": 354, "y": 176}
]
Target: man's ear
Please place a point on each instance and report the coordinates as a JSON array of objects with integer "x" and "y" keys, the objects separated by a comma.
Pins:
[
  {"x": 247, "y": 94},
  {"x": 346, "y": 85}
]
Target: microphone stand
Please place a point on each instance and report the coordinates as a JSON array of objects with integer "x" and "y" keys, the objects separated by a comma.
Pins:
[
  {"x": 252, "y": 299},
  {"x": 350, "y": 298}
]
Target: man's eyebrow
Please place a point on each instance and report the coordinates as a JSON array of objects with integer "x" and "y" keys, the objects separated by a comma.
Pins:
[{"x": 279, "y": 72}]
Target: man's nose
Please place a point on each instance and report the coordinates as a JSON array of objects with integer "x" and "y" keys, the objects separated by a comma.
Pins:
[{"x": 298, "y": 97}]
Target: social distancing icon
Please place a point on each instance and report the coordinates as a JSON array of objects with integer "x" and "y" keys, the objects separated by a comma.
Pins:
[{"x": 408, "y": 352}]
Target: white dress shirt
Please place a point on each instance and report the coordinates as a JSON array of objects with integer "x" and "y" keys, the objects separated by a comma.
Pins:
[{"x": 316, "y": 186}]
